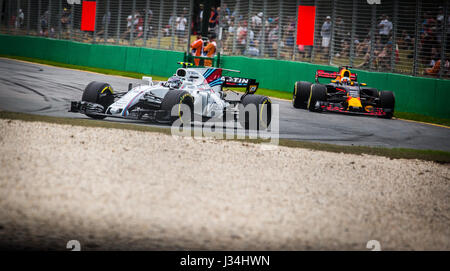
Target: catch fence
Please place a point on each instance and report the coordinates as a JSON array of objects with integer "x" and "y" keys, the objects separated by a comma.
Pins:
[{"x": 399, "y": 36}]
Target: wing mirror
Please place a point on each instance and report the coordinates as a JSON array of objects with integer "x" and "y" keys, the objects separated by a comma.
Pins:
[{"x": 148, "y": 79}]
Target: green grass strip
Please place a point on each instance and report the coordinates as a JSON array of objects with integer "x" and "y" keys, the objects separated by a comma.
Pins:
[
  {"x": 422, "y": 118},
  {"x": 84, "y": 68},
  {"x": 262, "y": 91},
  {"x": 395, "y": 153}
]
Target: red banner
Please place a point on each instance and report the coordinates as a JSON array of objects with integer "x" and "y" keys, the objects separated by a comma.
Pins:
[
  {"x": 305, "y": 25},
  {"x": 88, "y": 15}
]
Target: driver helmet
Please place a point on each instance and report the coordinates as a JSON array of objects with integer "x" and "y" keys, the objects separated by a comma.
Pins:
[
  {"x": 174, "y": 82},
  {"x": 345, "y": 80}
]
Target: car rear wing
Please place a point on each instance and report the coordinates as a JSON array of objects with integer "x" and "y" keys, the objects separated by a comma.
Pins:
[
  {"x": 333, "y": 75},
  {"x": 238, "y": 82}
]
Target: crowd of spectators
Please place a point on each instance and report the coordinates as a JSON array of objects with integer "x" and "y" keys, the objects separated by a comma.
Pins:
[
  {"x": 135, "y": 24},
  {"x": 342, "y": 42},
  {"x": 264, "y": 35},
  {"x": 383, "y": 47},
  {"x": 263, "y": 30},
  {"x": 430, "y": 40}
]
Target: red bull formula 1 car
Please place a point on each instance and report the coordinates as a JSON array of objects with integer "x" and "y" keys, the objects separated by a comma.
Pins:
[{"x": 344, "y": 94}]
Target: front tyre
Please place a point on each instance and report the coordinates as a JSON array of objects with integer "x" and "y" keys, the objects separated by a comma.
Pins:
[
  {"x": 180, "y": 105},
  {"x": 301, "y": 94},
  {"x": 99, "y": 93},
  {"x": 255, "y": 112},
  {"x": 387, "y": 101},
  {"x": 317, "y": 93}
]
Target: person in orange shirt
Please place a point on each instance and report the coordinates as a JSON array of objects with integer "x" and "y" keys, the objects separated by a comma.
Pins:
[
  {"x": 210, "y": 49},
  {"x": 197, "y": 48},
  {"x": 434, "y": 71}
]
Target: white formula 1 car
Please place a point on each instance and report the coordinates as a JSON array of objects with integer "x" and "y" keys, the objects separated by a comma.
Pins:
[{"x": 196, "y": 91}]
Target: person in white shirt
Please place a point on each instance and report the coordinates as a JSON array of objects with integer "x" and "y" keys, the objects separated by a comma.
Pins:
[
  {"x": 19, "y": 19},
  {"x": 241, "y": 36},
  {"x": 385, "y": 29},
  {"x": 325, "y": 32},
  {"x": 180, "y": 27},
  {"x": 129, "y": 26},
  {"x": 257, "y": 20}
]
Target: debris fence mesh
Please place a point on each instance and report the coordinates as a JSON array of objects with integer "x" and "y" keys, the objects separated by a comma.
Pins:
[{"x": 399, "y": 36}]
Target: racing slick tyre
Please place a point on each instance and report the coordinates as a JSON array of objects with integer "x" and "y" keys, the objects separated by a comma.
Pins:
[
  {"x": 317, "y": 93},
  {"x": 387, "y": 101},
  {"x": 183, "y": 101},
  {"x": 263, "y": 106},
  {"x": 301, "y": 94},
  {"x": 99, "y": 93}
]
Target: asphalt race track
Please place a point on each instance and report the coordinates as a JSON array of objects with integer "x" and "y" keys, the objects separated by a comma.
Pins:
[{"x": 40, "y": 89}]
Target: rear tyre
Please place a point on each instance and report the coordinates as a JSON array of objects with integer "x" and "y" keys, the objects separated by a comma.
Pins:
[
  {"x": 99, "y": 93},
  {"x": 387, "y": 101},
  {"x": 317, "y": 93},
  {"x": 184, "y": 103},
  {"x": 301, "y": 94},
  {"x": 263, "y": 106}
]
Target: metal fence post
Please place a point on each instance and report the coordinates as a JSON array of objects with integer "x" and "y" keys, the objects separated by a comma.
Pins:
[
  {"x": 205, "y": 20},
  {"x": 333, "y": 23},
  {"x": 8, "y": 15},
  {"x": 221, "y": 25},
  {"x": 39, "y": 29},
  {"x": 316, "y": 31},
  {"x": 172, "y": 27},
  {"x": 28, "y": 15},
  {"x": 191, "y": 13},
  {"x": 118, "y": 23},
  {"x": 49, "y": 28},
  {"x": 353, "y": 33},
  {"x": 238, "y": 12},
  {"x": 394, "y": 35},
  {"x": 106, "y": 26},
  {"x": 72, "y": 11},
  {"x": 133, "y": 18},
  {"x": 17, "y": 19},
  {"x": 249, "y": 28},
  {"x": 94, "y": 34},
  {"x": 280, "y": 13},
  {"x": 373, "y": 23},
  {"x": 161, "y": 9},
  {"x": 1, "y": 13},
  {"x": 262, "y": 45},
  {"x": 59, "y": 18},
  {"x": 444, "y": 40},
  {"x": 294, "y": 49},
  {"x": 145, "y": 22},
  {"x": 416, "y": 36}
]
